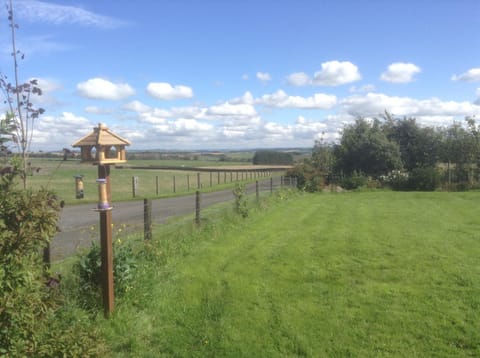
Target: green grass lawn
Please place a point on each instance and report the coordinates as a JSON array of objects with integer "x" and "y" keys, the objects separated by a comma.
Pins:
[{"x": 326, "y": 275}]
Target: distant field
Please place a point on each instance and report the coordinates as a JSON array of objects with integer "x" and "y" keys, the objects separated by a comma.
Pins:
[
  {"x": 59, "y": 175},
  {"x": 327, "y": 275}
]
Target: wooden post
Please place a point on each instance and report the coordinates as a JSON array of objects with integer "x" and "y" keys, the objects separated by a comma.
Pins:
[
  {"x": 211, "y": 179},
  {"x": 188, "y": 182},
  {"x": 174, "y": 186},
  {"x": 147, "y": 219},
  {"x": 257, "y": 191},
  {"x": 199, "y": 183},
  {"x": 271, "y": 185},
  {"x": 197, "y": 207},
  {"x": 106, "y": 247},
  {"x": 47, "y": 257},
  {"x": 218, "y": 178},
  {"x": 157, "y": 187},
  {"x": 134, "y": 187}
]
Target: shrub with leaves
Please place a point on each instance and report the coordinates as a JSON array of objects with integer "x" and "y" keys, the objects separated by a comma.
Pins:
[
  {"x": 241, "y": 203},
  {"x": 28, "y": 307}
]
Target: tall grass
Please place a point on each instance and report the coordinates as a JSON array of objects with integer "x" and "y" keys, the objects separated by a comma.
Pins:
[{"x": 355, "y": 274}]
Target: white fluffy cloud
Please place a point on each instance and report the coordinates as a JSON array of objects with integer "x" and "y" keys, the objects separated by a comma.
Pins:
[
  {"x": 400, "y": 72},
  {"x": 57, "y": 132},
  {"x": 99, "y": 88},
  {"x": 298, "y": 79},
  {"x": 264, "y": 77},
  {"x": 472, "y": 75},
  {"x": 165, "y": 91},
  {"x": 335, "y": 73},
  {"x": 136, "y": 106},
  {"x": 374, "y": 104},
  {"x": 235, "y": 110},
  {"x": 281, "y": 100}
]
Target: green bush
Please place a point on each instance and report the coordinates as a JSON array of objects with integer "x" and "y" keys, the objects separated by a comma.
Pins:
[
  {"x": 353, "y": 182},
  {"x": 241, "y": 203},
  {"x": 307, "y": 177},
  {"x": 419, "y": 179},
  {"x": 28, "y": 306}
]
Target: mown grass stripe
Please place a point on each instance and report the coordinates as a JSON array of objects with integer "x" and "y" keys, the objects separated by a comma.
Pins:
[{"x": 361, "y": 274}]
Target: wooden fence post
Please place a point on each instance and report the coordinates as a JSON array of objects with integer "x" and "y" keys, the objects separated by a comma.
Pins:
[
  {"x": 47, "y": 257},
  {"x": 199, "y": 184},
  {"x": 174, "y": 185},
  {"x": 157, "y": 187},
  {"x": 257, "y": 191},
  {"x": 147, "y": 219},
  {"x": 134, "y": 186},
  {"x": 197, "y": 207},
  {"x": 271, "y": 185},
  {"x": 188, "y": 182}
]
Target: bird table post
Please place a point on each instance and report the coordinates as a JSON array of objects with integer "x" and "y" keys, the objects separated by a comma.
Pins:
[
  {"x": 105, "y": 210},
  {"x": 104, "y": 148}
]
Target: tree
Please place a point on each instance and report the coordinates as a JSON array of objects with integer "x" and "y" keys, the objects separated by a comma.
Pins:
[
  {"x": 364, "y": 148},
  {"x": 272, "y": 157},
  {"x": 419, "y": 146},
  {"x": 17, "y": 96}
]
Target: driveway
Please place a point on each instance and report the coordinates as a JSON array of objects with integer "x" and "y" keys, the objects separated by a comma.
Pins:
[{"x": 79, "y": 223}]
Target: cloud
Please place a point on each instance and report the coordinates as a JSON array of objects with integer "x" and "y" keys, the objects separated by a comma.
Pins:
[
  {"x": 57, "y": 132},
  {"x": 165, "y": 91},
  {"x": 400, "y": 72},
  {"x": 98, "y": 110},
  {"x": 48, "y": 98},
  {"x": 246, "y": 98},
  {"x": 264, "y": 77},
  {"x": 374, "y": 104},
  {"x": 136, "y": 106},
  {"x": 298, "y": 79},
  {"x": 99, "y": 88},
  {"x": 234, "y": 110},
  {"x": 40, "y": 11},
  {"x": 472, "y": 75},
  {"x": 335, "y": 73},
  {"x": 280, "y": 99},
  {"x": 362, "y": 89}
]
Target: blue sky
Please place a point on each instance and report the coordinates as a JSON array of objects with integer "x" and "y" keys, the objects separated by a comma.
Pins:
[{"x": 185, "y": 74}]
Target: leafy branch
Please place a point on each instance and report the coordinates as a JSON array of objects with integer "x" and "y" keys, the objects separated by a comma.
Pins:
[{"x": 22, "y": 114}]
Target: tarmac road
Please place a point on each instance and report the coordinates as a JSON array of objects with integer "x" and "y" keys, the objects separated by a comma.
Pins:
[{"x": 79, "y": 223}]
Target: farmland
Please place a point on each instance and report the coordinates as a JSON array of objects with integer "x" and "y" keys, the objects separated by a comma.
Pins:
[{"x": 179, "y": 177}]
